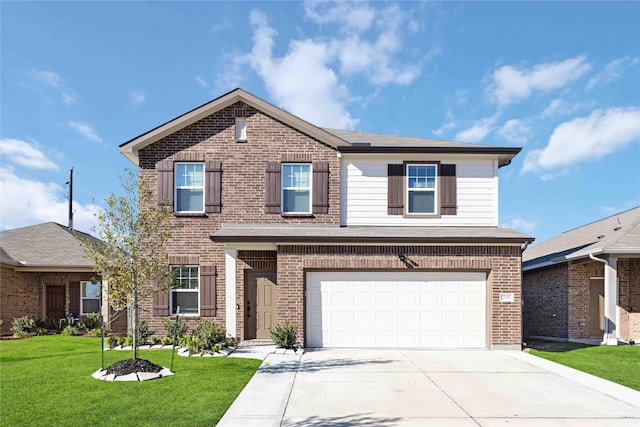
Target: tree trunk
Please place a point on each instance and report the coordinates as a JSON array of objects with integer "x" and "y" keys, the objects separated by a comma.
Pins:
[{"x": 136, "y": 324}]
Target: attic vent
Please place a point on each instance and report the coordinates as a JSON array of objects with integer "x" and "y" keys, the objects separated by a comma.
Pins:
[
  {"x": 361, "y": 144},
  {"x": 601, "y": 236},
  {"x": 617, "y": 228}
]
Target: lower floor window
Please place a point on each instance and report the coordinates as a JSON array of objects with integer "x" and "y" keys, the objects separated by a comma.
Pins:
[
  {"x": 90, "y": 301},
  {"x": 185, "y": 292}
]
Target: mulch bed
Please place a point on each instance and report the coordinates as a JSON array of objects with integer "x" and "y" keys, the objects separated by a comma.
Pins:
[{"x": 131, "y": 366}]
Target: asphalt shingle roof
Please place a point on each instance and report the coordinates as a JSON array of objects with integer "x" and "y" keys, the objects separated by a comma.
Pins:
[
  {"x": 44, "y": 245},
  {"x": 618, "y": 233}
]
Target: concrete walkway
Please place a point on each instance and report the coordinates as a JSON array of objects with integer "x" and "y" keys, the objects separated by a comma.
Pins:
[{"x": 350, "y": 387}]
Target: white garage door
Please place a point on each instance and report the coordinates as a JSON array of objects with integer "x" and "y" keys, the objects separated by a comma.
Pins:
[{"x": 369, "y": 309}]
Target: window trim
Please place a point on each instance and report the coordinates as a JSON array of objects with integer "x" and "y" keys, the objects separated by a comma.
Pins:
[
  {"x": 283, "y": 188},
  {"x": 241, "y": 132},
  {"x": 179, "y": 290},
  {"x": 83, "y": 297},
  {"x": 435, "y": 190},
  {"x": 176, "y": 187}
]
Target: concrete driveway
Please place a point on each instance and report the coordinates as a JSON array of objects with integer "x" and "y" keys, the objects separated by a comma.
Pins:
[{"x": 353, "y": 387}]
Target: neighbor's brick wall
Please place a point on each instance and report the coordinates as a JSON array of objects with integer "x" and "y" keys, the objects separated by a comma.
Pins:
[
  {"x": 502, "y": 263},
  {"x": 20, "y": 295},
  {"x": 629, "y": 302},
  {"x": 243, "y": 183},
  {"x": 546, "y": 302},
  {"x": 579, "y": 297}
]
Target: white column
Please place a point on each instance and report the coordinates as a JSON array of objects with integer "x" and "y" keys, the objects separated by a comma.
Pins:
[
  {"x": 610, "y": 301},
  {"x": 230, "y": 259}
]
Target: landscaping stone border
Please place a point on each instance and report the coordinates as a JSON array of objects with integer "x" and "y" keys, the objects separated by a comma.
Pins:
[{"x": 101, "y": 374}]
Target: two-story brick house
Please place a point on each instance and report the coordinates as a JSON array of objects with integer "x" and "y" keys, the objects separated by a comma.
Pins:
[{"x": 361, "y": 239}]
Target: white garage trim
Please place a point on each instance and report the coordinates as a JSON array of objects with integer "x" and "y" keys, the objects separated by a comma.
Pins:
[{"x": 396, "y": 309}]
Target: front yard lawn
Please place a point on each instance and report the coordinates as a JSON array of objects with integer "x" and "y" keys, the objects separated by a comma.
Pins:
[
  {"x": 47, "y": 381},
  {"x": 620, "y": 364}
]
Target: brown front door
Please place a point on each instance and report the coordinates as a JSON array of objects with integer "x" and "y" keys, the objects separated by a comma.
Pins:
[
  {"x": 55, "y": 302},
  {"x": 261, "y": 309},
  {"x": 596, "y": 307}
]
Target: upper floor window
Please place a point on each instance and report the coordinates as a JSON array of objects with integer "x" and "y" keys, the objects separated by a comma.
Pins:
[
  {"x": 421, "y": 188},
  {"x": 189, "y": 185},
  {"x": 241, "y": 129},
  {"x": 185, "y": 292},
  {"x": 90, "y": 297},
  {"x": 296, "y": 188}
]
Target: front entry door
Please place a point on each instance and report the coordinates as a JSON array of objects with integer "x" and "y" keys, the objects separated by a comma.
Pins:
[
  {"x": 596, "y": 307},
  {"x": 55, "y": 302},
  {"x": 261, "y": 311}
]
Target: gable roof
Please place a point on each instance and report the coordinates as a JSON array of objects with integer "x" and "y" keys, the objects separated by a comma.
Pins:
[
  {"x": 341, "y": 140},
  {"x": 618, "y": 234},
  {"x": 44, "y": 246}
]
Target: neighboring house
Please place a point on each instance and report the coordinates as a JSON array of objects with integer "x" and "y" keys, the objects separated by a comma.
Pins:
[
  {"x": 360, "y": 239},
  {"x": 584, "y": 284},
  {"x": 44, "y": 274}
]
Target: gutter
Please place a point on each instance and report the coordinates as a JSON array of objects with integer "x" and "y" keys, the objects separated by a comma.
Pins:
[{"x": 606, "y": 323}]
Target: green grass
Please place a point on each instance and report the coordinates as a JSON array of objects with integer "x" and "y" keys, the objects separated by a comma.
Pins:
[
  {"x": 620, "y": 364},
  {"x": 46, "y": 381}
]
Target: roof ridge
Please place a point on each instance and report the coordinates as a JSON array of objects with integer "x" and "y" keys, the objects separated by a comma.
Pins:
[{"x": 601, "y": 220}]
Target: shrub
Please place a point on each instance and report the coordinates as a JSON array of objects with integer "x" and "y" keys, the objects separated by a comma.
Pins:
[
  {"x": 95, "y": 332},
  {"x": 191, "y": 343},
  {"x": 143, "y": 332},
  {"x": 284, "y": 335},
  {"x": 46, "y": 323},
  {"x": 128, "y": 340},
  {"x": 166, "y": 341},
  {"x": 155, "y": 340},
  {"x": 112, "y": 341},
  {"x": 181, "y": 327},
  {"x": 91, "y": 321},
  {"x": 209, "y": 334},
  {"x": 24, "y": 325},
  {"x": 69, "y": 330}
]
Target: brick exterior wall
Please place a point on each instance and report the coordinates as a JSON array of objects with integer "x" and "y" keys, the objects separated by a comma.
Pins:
[
  {"x": 243, "y": 201},
  {"x": 501, "y": 263},
  {"x": 545, "y": 293},
  {"x": 580, "y": 275},
  {"x": 629, "y": 301},
  {"x": 23, "y": 293},
  {"x": 243, "y": 185}
]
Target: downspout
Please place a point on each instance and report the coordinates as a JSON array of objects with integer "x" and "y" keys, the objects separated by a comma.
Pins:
[{"x": 607, "y": 321}]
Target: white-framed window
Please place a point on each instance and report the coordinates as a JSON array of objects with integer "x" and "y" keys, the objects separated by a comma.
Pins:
[
  {"x": 421, "y": 188},
  {"x": 186, "y": 290},
  {"x": 296, "y": 188},
  {"x": 90, "y": 297},
  {"x": 189, "y": 183},
  {"x": 241, "y": 129}
]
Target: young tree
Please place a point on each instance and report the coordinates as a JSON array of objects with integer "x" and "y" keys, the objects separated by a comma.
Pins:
[{"x": 132, "y": 257}]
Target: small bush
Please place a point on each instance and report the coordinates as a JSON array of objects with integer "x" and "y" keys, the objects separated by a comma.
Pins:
[
  {"x": 155, "y": 340},
  {"x": 143, "y": 332},
  {"x": 46, "y": 323},
  {"x": 209, "y": 334},
  {"x": 284, "y": 335},
  {"x": 181, "y": 327},
  {"x": 23, "y": 324},
  {"x": 69, "y": 330},
  {"x": 95, "y": 332},
  {"x": 191, "y": 343},
  {"x": 91, "y": 321},
  {"x": 112, "y": 341},
  {"x": 21, "y": 334},
  {"x": 128, "y": 341},
  {"x": 166, "y": 341}
]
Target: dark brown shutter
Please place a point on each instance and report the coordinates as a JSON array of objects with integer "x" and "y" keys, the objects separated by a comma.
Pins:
[
  {"x": 165, "y": 184},
  {"x": 321, "y": 187},
  {"x": 74, "y": 297},
  {"x": 272, "y": 188},
  {"x": 395, "y": 189},
  {"x": 207, "y": 290},
  {"x": 213, "y": 180},
  {"x": 161, "y": 304},
  {"x": 448, "y": 190}
]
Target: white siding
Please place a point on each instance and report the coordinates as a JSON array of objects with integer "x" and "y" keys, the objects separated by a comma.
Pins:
[{"x": 364, "y": 192}]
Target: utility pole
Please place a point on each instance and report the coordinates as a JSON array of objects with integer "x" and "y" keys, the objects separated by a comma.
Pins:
[{"x": 71, "y": 199}]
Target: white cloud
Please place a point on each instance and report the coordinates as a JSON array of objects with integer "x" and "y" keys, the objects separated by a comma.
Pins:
[
  {"x": 26, "y": 202},
  {"x": 445, "y": 127},
  {"x": 584, "y": 138},
  {"x": 68, "y": 98},
  {"x": 201, "y": 82},
  {"x": 520, "y": 224},
  {"x": 137, "y": 97},
  {"x": 24, "y": 154},
  {"x": 47, "y": 77},
  {"x": 559, "y": 107},
  {"x": 351, "y": 17},
  {"x": 300, "y": 81},
  {"x": 478, "y": 131},
  {"x": 222, "y": 25},
  {"x": 612, "y": 71},
  {"x": 85, "y": 130},
  {"x": 511, "y": 84},
  {"x": 515, "y": 131}
]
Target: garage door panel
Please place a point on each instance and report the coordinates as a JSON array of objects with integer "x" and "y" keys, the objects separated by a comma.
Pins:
[{"x": 359, "y": 309}]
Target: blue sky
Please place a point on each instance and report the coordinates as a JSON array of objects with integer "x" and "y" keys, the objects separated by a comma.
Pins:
[{"x": 561, "y": 80}]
